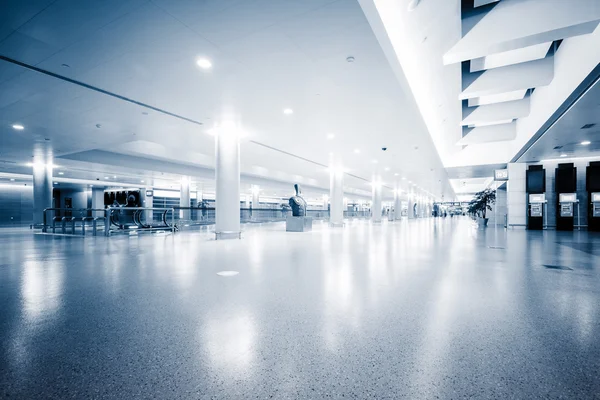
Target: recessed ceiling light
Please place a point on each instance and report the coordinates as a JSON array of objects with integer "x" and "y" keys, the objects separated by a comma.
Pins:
[
  {"x": 142, "y": 181},
  {"x": 412, "y": 4},
  {"x": 114, "y": 177},
  {"x": 374, "y": 161},
  {"x": 356, "y": 151},
  {"x": 585, "y": 142},
  {"x": 330, "y": 136},
  {"x": 106, "y": 177},
  {"x": 563, "y": 155},
  {"x": 387, "y": 168},
  {"x": 18, "y": 127},
  {"x": 403, "y": 178},
  {"x": 395, "y": 174},
  {"x": 61, "y": 173},
  {"x": 204, "y": 63},
  {"x": 12, "y": 179},
  {"x": 91, "y": 185},
  {"x": 288, "y": 111}
]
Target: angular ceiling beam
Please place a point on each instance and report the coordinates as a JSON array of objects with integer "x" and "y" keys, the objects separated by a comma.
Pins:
[
  {"x": 493, "y": 113},
  {"x": 523, "y": 76},
  {"x": 517, "y": 56},
  {"x": 489, "y": 134},
  {"x": 497, "y": 98},
  {"x": 479, "y": 3},
  {"x": 513, "y": 24}
]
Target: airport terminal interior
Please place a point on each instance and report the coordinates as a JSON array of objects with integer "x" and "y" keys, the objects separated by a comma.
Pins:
[{"x": 299, "y": 199}]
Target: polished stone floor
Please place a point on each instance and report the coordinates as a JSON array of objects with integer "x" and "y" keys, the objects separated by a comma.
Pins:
[{"x": 415, "y": 309}]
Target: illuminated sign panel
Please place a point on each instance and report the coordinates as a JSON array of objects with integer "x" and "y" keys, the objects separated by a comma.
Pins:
[
  {"x": 537, "y": 198},
  {"x": 501, "y": 175},
  {"x": 567, "y": 198}
]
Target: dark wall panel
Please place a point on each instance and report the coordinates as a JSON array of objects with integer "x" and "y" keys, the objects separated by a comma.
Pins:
[{"x": 16, "y": 205}]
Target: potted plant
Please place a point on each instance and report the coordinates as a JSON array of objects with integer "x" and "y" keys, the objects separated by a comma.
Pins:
[{"x": 480, "y": 204}]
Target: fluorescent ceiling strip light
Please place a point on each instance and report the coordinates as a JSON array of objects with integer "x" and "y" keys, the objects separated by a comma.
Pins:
[{"x": 563, "y": 159}]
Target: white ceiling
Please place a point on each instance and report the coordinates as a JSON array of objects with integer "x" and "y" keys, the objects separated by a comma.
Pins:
[{"x": 267, "y": 55}]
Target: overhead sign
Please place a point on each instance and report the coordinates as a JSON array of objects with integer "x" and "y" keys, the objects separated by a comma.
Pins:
[
  {"x": 595, "y": 197},
  {"x": 501, "y": 175}
]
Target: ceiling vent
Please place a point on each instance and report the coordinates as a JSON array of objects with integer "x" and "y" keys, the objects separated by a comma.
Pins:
[
  {"x": 588, "y": 126},
  {"x": 557, "y": 147}
]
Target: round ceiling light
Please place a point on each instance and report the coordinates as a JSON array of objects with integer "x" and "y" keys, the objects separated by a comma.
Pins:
[
  {"x": 330, "y": 136},
  {"x": 288, "y": 111},
  {"x": 563, "y": 155},
  {"x": 356, "y": 151},
  {"x": 18, "y": 127},
  {"x": 204, "y": 63}
]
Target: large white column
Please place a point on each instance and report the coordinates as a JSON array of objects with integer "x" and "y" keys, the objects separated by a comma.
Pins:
[
  {"x": 227, "y": 172},
  {"x": 184, "y": 198},
  {"x": 42, "y": 187},
  {"x": 98, "y": 200},
  {"x": 376, "y": 203},
  {"x": 412, "y": 199},
  {"x": 397, "y": 202},
  {"x": 517, "y": 195},
  {"x": 336, "y": 196},
  {"x": 255, "y": 196}
]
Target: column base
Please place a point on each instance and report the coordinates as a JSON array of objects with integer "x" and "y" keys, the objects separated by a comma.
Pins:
[
  {"x": 298, "y": 224},
  {"x": 228, "y": 235}
]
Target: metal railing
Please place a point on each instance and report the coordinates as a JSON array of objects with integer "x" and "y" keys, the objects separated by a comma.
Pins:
[
  {"x": 141, "y": 219},
  {"x": 68, "y": 224},
  {"x": 134, "y": 219}
]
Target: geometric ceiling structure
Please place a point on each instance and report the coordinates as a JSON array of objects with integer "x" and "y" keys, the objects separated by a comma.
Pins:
[{"x": 489, "y": 76}]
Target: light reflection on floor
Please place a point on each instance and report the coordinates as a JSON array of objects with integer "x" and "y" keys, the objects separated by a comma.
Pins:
[{"x": 409, "y": 309}]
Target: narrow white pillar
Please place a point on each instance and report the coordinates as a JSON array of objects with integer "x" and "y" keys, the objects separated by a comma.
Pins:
[
  {"x": 255, "y": 196},
  {"x": 517, "y": 195},
  {"x": 184, "y": 198},
  {"x": 325, "y": 202},
  {"x": 147, "y": 196},
  {"x": 397, "y": 202},
  {"x": 376, "y": 203},
  {"x": 227, "y": 195},
  {"x": 42, "y": 187},
  {"x": 247, "y": 201},
  {"x": 336, "y": 196}
]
